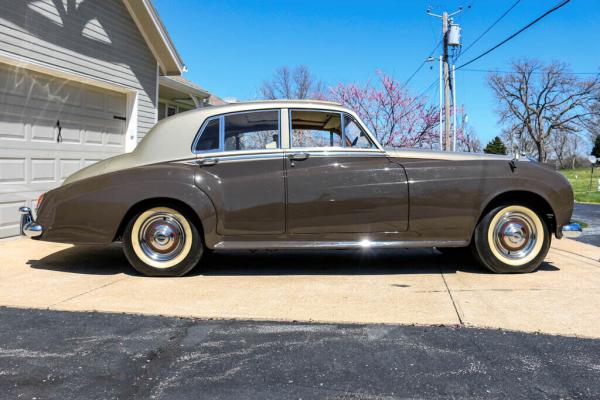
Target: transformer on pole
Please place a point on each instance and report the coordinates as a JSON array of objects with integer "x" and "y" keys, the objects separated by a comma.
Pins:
[{"x": 450, "y": 38}]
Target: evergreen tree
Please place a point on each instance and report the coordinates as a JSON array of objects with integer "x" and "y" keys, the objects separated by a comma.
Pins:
[
  {"x": 495, "y": 146},
  {"x": 596, "y": 149}
]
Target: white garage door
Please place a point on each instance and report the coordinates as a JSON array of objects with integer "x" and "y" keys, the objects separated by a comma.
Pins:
[{"x": 49, "y": 128}]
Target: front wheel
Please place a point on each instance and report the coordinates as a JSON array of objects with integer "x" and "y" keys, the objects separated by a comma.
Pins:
[
  {"x": 162, "y": 241},
  {"x": 511, "y": 239}
]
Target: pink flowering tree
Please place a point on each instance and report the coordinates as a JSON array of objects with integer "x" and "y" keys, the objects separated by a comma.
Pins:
[{"x": 397, "y": 118}]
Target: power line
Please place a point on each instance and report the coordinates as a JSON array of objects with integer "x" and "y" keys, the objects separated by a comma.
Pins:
[
  {"x": 515, "y": 34},
  {"x": 495, "y": 71},
  {"x": 423, "y": 63},
  {"x": 489, "y": 28}
]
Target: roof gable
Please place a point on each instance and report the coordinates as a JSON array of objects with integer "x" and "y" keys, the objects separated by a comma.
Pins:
[{"x": 154, "y": 32}]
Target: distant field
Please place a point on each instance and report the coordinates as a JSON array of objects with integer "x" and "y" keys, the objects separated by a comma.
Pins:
[{"x": 580, "y": 180}]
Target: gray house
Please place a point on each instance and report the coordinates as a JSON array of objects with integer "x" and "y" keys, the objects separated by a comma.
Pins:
[{"x": 80, "y": 81}]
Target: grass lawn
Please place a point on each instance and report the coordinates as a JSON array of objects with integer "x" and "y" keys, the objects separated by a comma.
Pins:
[{"x": 580, "y": 180}]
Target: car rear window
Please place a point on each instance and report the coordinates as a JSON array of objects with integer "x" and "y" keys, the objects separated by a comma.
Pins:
[{"x": 209, "y": 137}]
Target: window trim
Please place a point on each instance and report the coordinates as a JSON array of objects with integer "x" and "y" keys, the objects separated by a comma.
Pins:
[
  {"x": 358, "y": 124},
  {"x": 291, "y": 130},
  {"x": 221, "y": 118},
  {"x": 374, "y": 147}
]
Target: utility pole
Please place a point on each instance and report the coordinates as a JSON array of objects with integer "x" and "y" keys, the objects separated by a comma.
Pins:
[{"x": 448, "y": 39}]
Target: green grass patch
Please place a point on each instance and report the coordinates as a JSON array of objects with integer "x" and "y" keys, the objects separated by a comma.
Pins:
[
  {"x": 581, "y": 223},
  {"x": 580, "y": 181}
]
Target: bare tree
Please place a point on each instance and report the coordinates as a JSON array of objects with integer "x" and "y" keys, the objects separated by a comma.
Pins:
[
  {"x": 298, "y": 83},
  {"x": 395, "y": 117},
  {"x": 469, "y": 141},
  {"x": 538, "y": 101}
]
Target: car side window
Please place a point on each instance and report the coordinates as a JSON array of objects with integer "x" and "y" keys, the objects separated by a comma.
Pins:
[
  {"x": 315, "y": 128},
  {"x": 354, "y": 135},
  {"x": 256, "y": 130},
  {"x": 209, "y": 137}
]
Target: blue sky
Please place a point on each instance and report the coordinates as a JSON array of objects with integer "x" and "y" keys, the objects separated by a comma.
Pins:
[{"x": 230, "y": 47}]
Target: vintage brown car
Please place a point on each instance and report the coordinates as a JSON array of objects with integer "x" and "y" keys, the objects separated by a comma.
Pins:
[{"x": 301, "y": 175}]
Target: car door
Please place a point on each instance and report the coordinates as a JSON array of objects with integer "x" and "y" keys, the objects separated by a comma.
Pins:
[
  {"x": 240, "y": 167},
  {"x": 338, "y": 181}
]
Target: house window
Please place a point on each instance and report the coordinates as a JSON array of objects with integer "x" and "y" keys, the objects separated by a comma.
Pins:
[
  {"x": 171, "y": 110},
  {"x": 162, "y": 109}
]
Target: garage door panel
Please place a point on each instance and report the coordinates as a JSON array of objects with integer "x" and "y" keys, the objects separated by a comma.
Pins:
[
  {"x": 68, "y": 167},
  {"x": 93, "y": 135},
  {"x": 87, "y": 163},
  {"x": 115, "y": 137},
  {"x": 43, "y": 130},
  {"x": 12, "y": 170},
  {"x": 94, "y": 100},
  {"x": 31, "y": 159},
  {"x": 59, "y": 91},
  {"x": 70, "y": 132},
  {"x": 12, "y": 82},
  {"x": 10, "y": 218},
  {"x": 116, "y": 104},
  {"x": 43, "y": 170},
  {"x": 12, "y": 127}
]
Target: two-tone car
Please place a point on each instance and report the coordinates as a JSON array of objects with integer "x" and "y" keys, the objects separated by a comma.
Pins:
[{"x": 301, "y": 175}]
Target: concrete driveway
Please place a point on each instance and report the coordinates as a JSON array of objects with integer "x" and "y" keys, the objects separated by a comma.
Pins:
[{"x": 390, "y": 287}]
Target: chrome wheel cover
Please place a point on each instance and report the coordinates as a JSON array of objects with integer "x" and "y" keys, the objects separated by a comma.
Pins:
[
  {"x": 162, "y": 236},
  {"x": 515, "y": 235}
]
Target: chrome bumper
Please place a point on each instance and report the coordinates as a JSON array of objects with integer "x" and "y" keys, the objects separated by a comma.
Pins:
[
  {"x": 28, "y": 226},
  {"x": 571, "y": 231}
]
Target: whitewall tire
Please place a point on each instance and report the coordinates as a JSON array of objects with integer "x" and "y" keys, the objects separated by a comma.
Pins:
[
  {"x": 162, "y": 241},
  {"x": 511, "y": 239}
]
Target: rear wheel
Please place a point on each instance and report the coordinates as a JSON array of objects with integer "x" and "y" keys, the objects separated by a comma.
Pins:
[
  {"x": 511, "y": 239},
  {"x": 162, "y": 241}
]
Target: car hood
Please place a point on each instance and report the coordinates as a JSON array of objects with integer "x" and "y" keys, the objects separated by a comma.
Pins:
[{"x": 443, "y": 155}]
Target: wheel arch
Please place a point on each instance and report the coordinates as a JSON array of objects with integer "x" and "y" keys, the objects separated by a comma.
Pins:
[
  {"x": 535, "y": 201},
  {"x": 178, "y": 204}
]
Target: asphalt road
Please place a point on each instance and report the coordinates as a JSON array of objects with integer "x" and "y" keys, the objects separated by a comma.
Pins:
[
  {"x": 52, "y": 354},
  {"x": 590, "y": 214}
]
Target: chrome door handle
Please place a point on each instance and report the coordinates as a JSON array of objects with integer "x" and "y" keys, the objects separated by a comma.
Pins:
[
  {"x": 298, "y": 156},
  {"x": 207, "y": 162}
]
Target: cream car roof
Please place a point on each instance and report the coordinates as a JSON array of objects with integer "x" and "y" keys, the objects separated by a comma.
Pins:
[{"x": 172, "y": 137}]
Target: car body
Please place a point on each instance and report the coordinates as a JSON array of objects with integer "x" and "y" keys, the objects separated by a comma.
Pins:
[{"x": 295, "y": 174}]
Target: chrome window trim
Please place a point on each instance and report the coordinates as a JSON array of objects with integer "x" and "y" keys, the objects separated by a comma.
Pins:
[
  {"x": 201, "y": 130},
  {"x": 221, "y": 118},
  {"x": 291, "y": 130},
  {"x": 373, "y": 144},
  {"x": 376, "y": 146}
]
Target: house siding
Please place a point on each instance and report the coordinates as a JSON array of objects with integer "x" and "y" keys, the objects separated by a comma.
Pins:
[{"x": 96, "y": 39}]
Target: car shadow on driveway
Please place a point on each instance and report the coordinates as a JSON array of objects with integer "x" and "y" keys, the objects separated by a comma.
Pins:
[{"x": 110, "y": 260}]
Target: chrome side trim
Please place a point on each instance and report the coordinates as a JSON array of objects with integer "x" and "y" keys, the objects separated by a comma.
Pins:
[
  {"x": 361, "y": 244},
  {"x": 260, "y": 154},
  {"x": 337, "y": 153}
]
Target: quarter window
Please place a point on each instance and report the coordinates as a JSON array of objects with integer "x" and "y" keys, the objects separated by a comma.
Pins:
[
  {"x": 252, "y": 131},
  {"x": 316, "y": 129},
  {"x": 209, "y": 138},
  {"x": 354, "y": 135}
]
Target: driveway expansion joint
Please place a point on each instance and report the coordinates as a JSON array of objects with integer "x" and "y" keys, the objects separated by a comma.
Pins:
[
  {"x": 86, "y": 292},
  {"x": 456, "y": 308}
]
